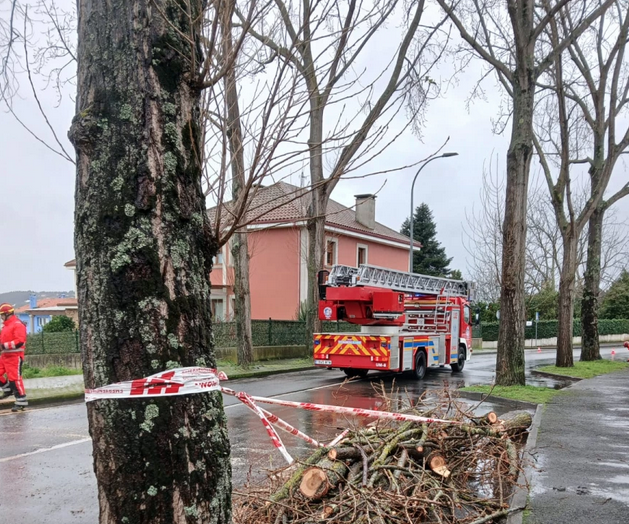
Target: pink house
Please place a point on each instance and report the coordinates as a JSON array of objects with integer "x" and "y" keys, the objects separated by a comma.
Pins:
[{"x": 278, "y": 247}]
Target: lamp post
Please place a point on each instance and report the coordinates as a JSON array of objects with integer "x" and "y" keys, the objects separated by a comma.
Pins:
[{"x": 410, "y": 254}]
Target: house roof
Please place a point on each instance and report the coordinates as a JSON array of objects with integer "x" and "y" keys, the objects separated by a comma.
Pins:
[
  {"x": 285, "y": 203},
  {"x": 49, "y": 304}
]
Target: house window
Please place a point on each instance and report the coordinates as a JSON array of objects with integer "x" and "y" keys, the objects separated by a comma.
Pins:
[
  {"x": 218, "y": 259},
  {"x": 330, "y": 252},
  {"x": 361, "y": 255},
  {"x": 218, "y": 309}
]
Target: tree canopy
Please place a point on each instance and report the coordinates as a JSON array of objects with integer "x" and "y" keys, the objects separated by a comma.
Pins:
[{"x": 431, "y": 259}]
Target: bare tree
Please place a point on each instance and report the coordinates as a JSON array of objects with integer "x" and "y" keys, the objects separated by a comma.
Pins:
[
  {"x": 323, "y": 42},
  {"x": 482, "y": 236},
  {"x": 575, "y": 129},
  {"x": 37, "y": 49},
  {"x": 249, "y": 151},
  {"x": 507, "y": 38},
  {"x": 482, "y": 239}
]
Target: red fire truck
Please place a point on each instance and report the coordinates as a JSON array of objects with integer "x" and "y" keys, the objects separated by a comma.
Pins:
[{"x": 409, "y": 322}]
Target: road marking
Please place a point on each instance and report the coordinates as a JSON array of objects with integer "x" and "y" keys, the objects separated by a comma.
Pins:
[{"x": 44, "y": 450}]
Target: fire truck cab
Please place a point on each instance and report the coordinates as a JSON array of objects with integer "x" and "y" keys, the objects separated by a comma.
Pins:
[{"x": 409, "y": 322}]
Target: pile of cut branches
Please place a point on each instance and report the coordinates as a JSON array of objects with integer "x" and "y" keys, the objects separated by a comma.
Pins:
[{"x": 462, "y": 472}]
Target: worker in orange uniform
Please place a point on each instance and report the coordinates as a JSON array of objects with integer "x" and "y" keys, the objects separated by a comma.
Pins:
[{"x": 12, "y": 346}]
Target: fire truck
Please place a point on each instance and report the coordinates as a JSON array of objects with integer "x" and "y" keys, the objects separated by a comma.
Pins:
[{"x": 408, "y": 322}]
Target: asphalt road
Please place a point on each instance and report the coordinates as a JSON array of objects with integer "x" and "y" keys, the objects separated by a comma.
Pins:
[{"x": 46, "y": 473}]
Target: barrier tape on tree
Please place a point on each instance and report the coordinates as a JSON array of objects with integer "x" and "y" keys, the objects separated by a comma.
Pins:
[
  {"x": 180, "y": 381},
  {"x": 185, "y": 381}
]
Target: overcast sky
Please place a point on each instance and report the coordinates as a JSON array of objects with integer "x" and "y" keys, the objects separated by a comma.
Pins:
[{"x": 37, "y": 186}]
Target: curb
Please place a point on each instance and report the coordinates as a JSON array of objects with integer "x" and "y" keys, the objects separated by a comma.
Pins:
[
  {"x": 555, "y": 375},
  {"x": 57, "y": 398},
  {"x": 255, "y": 374},
  {"x": 519, "y": 499}
]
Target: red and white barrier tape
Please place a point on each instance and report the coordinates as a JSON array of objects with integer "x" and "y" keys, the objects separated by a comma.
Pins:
[
  {"x": 184, "y": 381},
  {"x": 357, "y": 412},
  {"x": 275, "y": 438},
  {"x": 274, "y": 419},
  {"x": 180, "y": 381}
]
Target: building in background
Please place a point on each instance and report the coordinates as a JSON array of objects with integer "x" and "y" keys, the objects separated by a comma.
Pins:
[
  {"x": 37, "y": 313},
  {"x": 278, "y": 249}
]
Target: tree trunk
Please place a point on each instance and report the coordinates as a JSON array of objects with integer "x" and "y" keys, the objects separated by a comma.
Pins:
[
  {"x": 242, "y": 304},
  {"x": 590, "y": 348},
  {"x": 144, "y": 251},
  {"x": 240, "y": 249},
  {"x": 316, "y": 252},
  {"x": 566, "y": 298},
  {"x": 316, "y": 216},
  {"x": 510, "y": 357}
]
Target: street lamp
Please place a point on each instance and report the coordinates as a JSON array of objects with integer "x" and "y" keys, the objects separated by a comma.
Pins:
[{"x": 410, "y": 254}]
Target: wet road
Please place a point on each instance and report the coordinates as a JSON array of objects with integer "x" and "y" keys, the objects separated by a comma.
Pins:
[{"x": 46, "y": 453}]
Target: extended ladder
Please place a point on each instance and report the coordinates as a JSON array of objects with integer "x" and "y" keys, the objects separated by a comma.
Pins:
[{"x": 375, "y": 276}]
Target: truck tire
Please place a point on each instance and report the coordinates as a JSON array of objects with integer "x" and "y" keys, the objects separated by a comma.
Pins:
[
  {"x": 420, "y": 365},
  {"x": 351, "y": 372},
  {"x": 458, "y": 367}
]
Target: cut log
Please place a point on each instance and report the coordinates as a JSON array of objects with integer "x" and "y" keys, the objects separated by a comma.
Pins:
[
  {"x": 437, "y": 463},
  {"x": 516, "y": 420},
  {"x": 344, "y": 453},
  {"x": 317, "y": 480},
  {"x": 285, "y": 490},
  {"x": 314, "y": 483},
  {"x": 487, "y": 419}
]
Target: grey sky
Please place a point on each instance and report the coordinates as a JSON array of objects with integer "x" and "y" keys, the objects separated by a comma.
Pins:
[{"x": 37, "y": 187}]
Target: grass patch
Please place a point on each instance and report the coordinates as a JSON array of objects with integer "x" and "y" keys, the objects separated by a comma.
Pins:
[
  {"x": 51, "y": 371},
  {"x": 531, "y": 394},
  {"x": 587, "y": 369}
]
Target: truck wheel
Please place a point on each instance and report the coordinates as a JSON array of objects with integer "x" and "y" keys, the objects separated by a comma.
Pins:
[
  {"x": 458, "y": 367},
  {"x": 420, "y": 365},
  {"x": 351, "y": 372}
]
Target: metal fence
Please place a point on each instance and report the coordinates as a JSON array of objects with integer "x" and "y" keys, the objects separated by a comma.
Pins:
[
  {"x": 274, "y": 332},
  {"x": 51, "y": 343},
  {"x": 264, "y": 332}
]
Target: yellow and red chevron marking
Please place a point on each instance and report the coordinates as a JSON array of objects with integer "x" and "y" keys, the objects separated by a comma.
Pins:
[{"x": 351, "y": 345}]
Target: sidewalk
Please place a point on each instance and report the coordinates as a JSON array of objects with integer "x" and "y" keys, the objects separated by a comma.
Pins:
[
  {"x": 56, "y": 389},
  {"x": 582, "y": 456}
]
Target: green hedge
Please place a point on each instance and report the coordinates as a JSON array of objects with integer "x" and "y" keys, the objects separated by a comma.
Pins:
[{"x": 548, "y": 329}]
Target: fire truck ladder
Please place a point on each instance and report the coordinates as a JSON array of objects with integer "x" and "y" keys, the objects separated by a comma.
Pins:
[{"x": 375, "y": 276}]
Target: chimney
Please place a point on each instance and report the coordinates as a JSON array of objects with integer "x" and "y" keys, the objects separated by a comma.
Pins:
[
  {"x": 366, "y": 210},
  {"x": 32, "y": 302}
]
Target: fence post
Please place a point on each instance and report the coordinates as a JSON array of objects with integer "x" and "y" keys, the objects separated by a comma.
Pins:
[{"x": 270, "y": 334}]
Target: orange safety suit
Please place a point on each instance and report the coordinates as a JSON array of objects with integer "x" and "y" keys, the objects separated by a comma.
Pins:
[{"x": 12, "y": 346}]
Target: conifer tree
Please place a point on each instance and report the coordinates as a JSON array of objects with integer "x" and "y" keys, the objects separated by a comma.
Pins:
[{"x": 431, "y": 259}]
